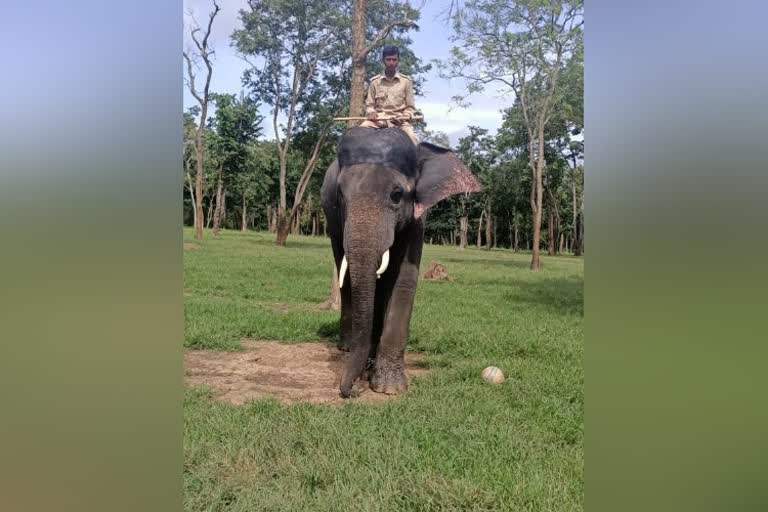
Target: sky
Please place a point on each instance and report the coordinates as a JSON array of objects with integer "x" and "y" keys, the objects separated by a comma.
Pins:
[{"x": 430, "y": 42}]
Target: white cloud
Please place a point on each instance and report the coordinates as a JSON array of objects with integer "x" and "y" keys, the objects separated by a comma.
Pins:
[{"x": 440, "y": 117}]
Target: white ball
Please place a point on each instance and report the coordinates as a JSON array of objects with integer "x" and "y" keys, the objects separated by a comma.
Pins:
[{"x": 493, "y": 375}]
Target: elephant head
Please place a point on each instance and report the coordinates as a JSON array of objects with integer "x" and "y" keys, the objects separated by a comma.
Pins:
[{"x": 375, "y": 197}]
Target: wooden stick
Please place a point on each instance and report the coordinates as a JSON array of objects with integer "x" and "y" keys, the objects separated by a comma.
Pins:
[{"x": 413, "y": 118}]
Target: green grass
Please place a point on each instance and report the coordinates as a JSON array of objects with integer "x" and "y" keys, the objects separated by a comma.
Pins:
[{"x": 451, "y": 443}]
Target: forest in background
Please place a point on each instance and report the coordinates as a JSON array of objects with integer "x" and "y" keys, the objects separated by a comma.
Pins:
[{"x": 305, "y": 60}]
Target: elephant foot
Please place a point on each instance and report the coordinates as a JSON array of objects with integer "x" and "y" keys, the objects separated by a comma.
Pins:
[
  {"x": 356, "y": 390},
  {"x": 389, "y": 381}
]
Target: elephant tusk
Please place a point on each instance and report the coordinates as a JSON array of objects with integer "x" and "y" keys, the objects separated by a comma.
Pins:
[
  {"x": 384, "y": 264},
  {"x": 342, "y": 272}
]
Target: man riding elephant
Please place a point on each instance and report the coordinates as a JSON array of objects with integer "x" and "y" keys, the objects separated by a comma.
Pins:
[{"x": 390, "y": 97}]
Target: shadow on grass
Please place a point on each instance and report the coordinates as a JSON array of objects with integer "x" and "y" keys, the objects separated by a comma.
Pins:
[
  {"x": 486, "y": 261},
  {"x": 319, "y": 243},
  {"x": 329, "y": 330},
  {"x": 561, "y": 295}
]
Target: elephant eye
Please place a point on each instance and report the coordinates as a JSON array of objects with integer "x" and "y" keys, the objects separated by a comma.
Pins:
[{"x": 396, "y": 195}]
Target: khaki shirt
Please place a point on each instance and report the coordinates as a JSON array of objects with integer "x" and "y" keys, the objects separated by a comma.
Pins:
[{"x": 390, "y": 97}]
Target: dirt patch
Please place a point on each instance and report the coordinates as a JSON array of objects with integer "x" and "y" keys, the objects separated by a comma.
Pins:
[
  {"x": 190, "y": 247},
  {"x": 297, "y": 372}
]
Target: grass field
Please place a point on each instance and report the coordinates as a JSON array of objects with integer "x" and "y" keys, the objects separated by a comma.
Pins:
[{"x": 451, "y": 443}]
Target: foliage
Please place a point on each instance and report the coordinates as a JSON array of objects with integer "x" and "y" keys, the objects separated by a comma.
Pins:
[
  {"x": 292, "y": 45},
  {"x": 501, "y": 160},
  {"x": 235, "y": 125}
]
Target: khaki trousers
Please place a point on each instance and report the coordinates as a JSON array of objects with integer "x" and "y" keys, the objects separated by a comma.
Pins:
[{"x": 406, "y": 127}]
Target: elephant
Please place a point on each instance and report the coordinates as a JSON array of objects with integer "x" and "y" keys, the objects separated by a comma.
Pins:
[{"x": 375, "y": 195}]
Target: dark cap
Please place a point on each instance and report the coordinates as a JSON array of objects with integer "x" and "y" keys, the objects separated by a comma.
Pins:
[{"x": 389, "y": 51}]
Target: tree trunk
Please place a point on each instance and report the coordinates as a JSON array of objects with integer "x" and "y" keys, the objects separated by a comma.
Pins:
[
  {"x": 283, "y": 226},
  {"x": 550, "y": 232},
  {"x": 495, "y": 239},
  {"x": 194, "y": 203},
  {"x": 219, "y": 206},
  {"x": 199, "y": 185},
  {"x": 296, "y": 214},
  {"x": 578, "y": 242},
  {"x": 209, "y": 213},
  {"x": 334, "y": 297},
  {"x": 357, "y": 84},
  {"x": 480, "y": 229},
  {"x": 464, "y": 229},
  {"x": 223, "y": 217},
  {"x": 537, "y": 198},
  {"x": 244, "y": 223},
  {"x": 574, "y": 234},
  {"x": 488, "y": 230},
  {"x": 517, "y": 238},
  {"x": 283, "y": 223}
]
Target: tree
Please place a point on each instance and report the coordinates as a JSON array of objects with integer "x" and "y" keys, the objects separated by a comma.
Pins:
[
  {"x": 204, "y": 53},
  {"x": 520, "y": 47},
  {"x": 189, "y": 134},
  {"x": 288, "y": 43},
  {"x": 236, "y": 124},
  {"x": 477, "y": 152},
  {"x": 253, "y": 181}
]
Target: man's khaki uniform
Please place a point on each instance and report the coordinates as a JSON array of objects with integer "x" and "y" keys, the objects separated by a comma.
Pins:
[{"x": 391, "y": 98}]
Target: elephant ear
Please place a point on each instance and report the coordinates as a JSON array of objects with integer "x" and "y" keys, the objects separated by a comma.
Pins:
[{"x": 441, "y": 174}]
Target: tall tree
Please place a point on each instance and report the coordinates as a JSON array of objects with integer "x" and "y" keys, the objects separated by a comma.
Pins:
[
  {"x": 520, "y": 46},
  {"x": 253, "y": 181},
  {"x": 236, "y": 125},
  {"x": 288, "y": 43},
  {"x": 205, "y": 53},
  {"x": 190, "y": 132}
]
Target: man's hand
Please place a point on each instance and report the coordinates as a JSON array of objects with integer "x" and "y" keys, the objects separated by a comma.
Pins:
[{"x": 372, "y": 116}]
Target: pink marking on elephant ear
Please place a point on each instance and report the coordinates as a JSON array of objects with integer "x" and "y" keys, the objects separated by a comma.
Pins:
[
  {"x": 460, "y": 181},
  {"x": 448, "y": 176}
]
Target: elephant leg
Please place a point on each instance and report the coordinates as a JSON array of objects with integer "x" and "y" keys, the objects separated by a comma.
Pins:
[
  {"x": 389, "y": 373},
  {"x": 383, "y": 293}
]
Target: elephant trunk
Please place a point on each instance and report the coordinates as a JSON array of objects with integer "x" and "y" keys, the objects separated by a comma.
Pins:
[
  {"x": 367, "y": 238},
  {"x": 362, "y": 278}
]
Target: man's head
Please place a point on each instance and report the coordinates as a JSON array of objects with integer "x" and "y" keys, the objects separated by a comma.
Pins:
[{"x": 391, "y": 57}]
